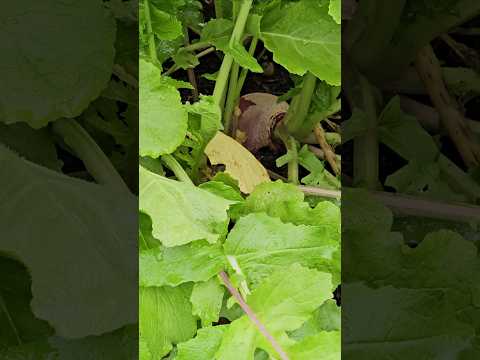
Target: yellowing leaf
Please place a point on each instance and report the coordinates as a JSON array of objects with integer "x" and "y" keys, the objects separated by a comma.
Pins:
[{"x": 238, "y": 161}]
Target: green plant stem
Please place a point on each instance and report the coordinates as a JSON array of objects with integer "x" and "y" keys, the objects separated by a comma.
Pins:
[
  {"x": 244, "y": 72},
  {"x": 293, "y": 164},
  {"x": 231, "y": 98},
  {"x": 152, "y": 48},
  {"x": 197, "y": 46},
  {"x": 176, "y": 168},
  {"x": 224, "y": 72},
  {"x": 94, "y": 159},
  {"x": 362, "y": 95},
  {"x": 218, "y": 9},
  {"x": 300, "y": 105},
  {"x": 366, "y": 151}
]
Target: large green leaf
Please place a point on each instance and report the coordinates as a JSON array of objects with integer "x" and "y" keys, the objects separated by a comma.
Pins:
[
  {"x": 282, "y": 303},
  {"x": 57, "y": 57},
  {"x": 120, "y": 344},
  {"x": 401, "y": 323},
  {"x": 61, "y": 229},
  {"x": 165, "y": 318},
  {"x": 163, "y": 118},
  {"x": 286, "y": 202},
  {"x": 262, "y": 244},
  {"x": 198, "y": 261},
  {"x": 17, "y": 322},
  {"x": 180, "y": 212},
  {"x": 304, "y": 37},
  {"x": 324, "y": 345}
]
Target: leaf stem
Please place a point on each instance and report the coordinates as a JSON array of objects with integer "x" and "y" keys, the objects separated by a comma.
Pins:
[
  {"x": 244, "y": 72},
  {"x": 85, "y": 147},
  {"x": 224, "y": 72},
  {"x": 231, "y": 98},
  {"x": 327, "y": 149},
  {"x": 218, "y": 9},
  {"x": 176, "y": 168},
  {"x": 252, "y": 316},
  {"x": 300, "y": 105},
  {"x": 152, "y": 47}
]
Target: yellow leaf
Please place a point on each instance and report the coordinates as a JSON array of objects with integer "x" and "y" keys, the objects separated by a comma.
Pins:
[{"x": 238, "y": 161}]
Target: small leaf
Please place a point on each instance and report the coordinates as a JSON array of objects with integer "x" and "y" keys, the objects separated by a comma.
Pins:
[
  {"x": 163, "y": 118},
  {"x": 206, "y": 299}
]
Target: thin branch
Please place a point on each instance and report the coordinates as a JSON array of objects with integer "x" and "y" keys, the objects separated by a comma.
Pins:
[
  {"x": 428, "y": 116},
  {"x": 325, "y": 193},
  {"x": 430, "y": 72},
  {"x": 408, "y": 205},
  {"x": 413, "y": 206},
  {"x": 251, "y": 315},
  {"x": 327, "y": 149}
]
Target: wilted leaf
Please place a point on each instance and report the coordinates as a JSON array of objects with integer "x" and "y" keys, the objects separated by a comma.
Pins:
[{"x": 239, "y": 162}]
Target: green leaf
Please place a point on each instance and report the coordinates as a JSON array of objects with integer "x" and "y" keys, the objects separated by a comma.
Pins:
[
  {"x": 198, "y": 261},
  {"x": 206, "y": 299},
  {"x": 382, "y": 321},
  {"x": 185, "y": 213},
  {"x": 324, "y": 344},
  {"x": 17, "y": 321},
  {"x": 205, "y": 119},
  {"x": 283, "y": 302},
  {"x": 303, "y": 37},
  {"x": 286, "y": 202},
  {"x": 326, "y": 318},
  {"x": 165, "y": 318},
  {"x": 218, "y": 32},
  {"x": 261, "y": 244},
  {"x": 54, "y": 241},
  {"x": 318, "y": 175},
  {"x": 335, "y": 10},
  {"x": 165, "y": 26},
  {"x": 163, "y": 118},
  {"x": 396, "y": 127},
  {"x": 203, "y": 346},
  {"x": 35, "y": 145},
  {"x": 120, "y": 344},
  {"x": 185, "y": 59},
  {"x": 223, "y": 190},
  {"x": 61, "y": 71},
  {"x": 356, "y": 125}
]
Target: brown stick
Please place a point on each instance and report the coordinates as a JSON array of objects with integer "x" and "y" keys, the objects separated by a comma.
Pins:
[
  {"x": 327, "y": 149},
  {"x": 430, "y": 72},
  {"x": 251, "y": 315},
  {"x": 408, "y": 205}
]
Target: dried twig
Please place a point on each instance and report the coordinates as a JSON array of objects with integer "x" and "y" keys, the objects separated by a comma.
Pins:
[
  {"x": 408, "y": 205},
  {"x": 251, "y": 315},
  {"x": 430, "y": 72},
  {"x": 327, "y": 149}
]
